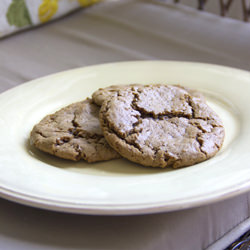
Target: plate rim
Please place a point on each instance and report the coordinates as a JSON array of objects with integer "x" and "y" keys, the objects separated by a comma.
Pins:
[{"x": 70, "y": 207}]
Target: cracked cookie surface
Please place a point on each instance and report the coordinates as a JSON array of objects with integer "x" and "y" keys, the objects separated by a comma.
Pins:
[
  {"x": 100, "y": 95},
  {"x": 161, "y": 126},
  {"x": 73, "y": 133}
]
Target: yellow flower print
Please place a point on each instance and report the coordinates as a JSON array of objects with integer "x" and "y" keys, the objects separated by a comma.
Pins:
[
  {"x": 85, "y": 3},
  {"x": 47, "y": 9}
]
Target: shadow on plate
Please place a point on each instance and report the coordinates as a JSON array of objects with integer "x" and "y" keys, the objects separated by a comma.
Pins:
[{"x": 116, "y": 167}]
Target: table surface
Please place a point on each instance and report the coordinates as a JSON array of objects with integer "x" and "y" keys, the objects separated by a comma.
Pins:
[{"x": 111, "y": 32}]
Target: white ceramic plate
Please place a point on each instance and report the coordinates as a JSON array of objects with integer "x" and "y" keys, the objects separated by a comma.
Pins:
[{"x": 119, "y": 186}]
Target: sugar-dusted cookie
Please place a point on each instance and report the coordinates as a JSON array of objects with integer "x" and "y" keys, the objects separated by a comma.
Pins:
[
  {"x": 73, "y": 133},
  {"x": 161, "y": 126}
]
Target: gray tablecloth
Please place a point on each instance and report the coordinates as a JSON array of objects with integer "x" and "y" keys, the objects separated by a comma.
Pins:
[{"x": 121, "y": 31}]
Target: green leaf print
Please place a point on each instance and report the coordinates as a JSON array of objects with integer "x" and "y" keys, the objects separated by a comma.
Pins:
[{"x": 18, "y": 14}]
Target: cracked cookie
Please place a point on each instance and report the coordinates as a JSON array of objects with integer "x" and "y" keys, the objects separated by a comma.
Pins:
[
  {"x": 73, "y": 133},
  {"x": 161, "y": 126}
]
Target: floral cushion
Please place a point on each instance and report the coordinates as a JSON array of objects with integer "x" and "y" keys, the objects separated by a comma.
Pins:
[{"x": 20, "y": 14}]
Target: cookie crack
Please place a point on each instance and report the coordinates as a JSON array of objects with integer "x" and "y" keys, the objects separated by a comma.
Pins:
[
  {"x": 167, "y": 158},
  {"x": 87, "y": 136},
  {"x": 170, "y": 160},
  {"x": 41, "y": 134},
  {"x": 195, "y": 117},
  {"x": 197, "y": 138},
  {"x": 135, "y": 145},
  {"x": 78, "y": 132},
  {"x": 66, "y": 139},
  {"x": 74, "y": 124},
  {"x": 122, "y": 137},
  {"x": 190, "y": 103},
  {"x": 166, "y": 114}
]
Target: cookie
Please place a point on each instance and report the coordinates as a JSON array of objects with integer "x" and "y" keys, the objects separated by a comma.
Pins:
[
  {"x": 73, "y": 133},
  {"x": 161, "y": 126}
]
